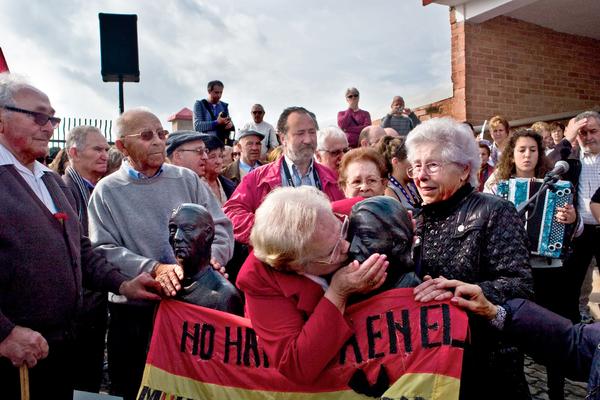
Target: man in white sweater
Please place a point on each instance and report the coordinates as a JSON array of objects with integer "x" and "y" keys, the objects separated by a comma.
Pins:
[{"x": 128, "y": 223}]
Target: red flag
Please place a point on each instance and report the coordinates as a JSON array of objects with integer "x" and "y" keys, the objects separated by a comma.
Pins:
[
  {"x": 201, "y": 353},
  {"x": 3, "y": 64}
]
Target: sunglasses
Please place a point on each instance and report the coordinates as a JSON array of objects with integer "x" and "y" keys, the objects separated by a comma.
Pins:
[
  {"x": 148, "y": 134},
  {"x": 351, "y": 96},
  {"x": 258, "y": 112},
  {"x": 336, "y": 153},
  {"x": 39, "y": 118}
]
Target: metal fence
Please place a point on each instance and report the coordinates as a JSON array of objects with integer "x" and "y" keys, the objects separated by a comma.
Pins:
[{"x": 67, "y": 123}]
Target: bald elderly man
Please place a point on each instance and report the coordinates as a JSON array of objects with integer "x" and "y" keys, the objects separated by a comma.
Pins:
[{"x": 129, "y": 214}]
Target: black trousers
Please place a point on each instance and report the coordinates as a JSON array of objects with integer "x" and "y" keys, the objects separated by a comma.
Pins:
[
  {"x": 89, "y": 347},
  {"x": 576, "y": 265},
  {"x": 129, "y": 332},
  {"x": 51, "y": 378}
]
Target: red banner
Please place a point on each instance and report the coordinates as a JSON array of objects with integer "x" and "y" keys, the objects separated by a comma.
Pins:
[{"x": 403, "y": 348}]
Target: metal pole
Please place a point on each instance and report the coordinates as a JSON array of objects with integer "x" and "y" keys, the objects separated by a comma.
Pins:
[{"x": 121, "y": 101}]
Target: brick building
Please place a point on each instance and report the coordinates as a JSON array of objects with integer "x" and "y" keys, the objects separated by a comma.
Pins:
[{"x": 527, "y": 60}]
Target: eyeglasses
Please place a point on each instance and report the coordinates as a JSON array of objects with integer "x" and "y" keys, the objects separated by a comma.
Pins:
[
  {"x": 258, "y": 112},
  {"x": 148, "y": 134},
  {"x": 199, "y": 151},
  {"x": 338, "y": 244},
  {"x": 369, "y": 182},
  {"x": 39, "y": 118},
  {"x": 337, "y": 152},
  {"x": 430, "y": 168},
  {"x": 351, "y": 96}
]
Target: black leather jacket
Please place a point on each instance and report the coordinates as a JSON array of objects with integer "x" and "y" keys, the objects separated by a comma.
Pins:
[
  {"x": 479, "y": 238},
  {"x": 476, "y": 238}
]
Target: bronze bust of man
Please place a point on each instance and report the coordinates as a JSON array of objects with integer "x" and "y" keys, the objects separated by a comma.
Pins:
[
  {"x": 191, "y": 233},
  {"x": 380, "y": 224}
]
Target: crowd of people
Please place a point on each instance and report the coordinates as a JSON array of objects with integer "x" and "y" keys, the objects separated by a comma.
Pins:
[{"x": 303, "y": 221}]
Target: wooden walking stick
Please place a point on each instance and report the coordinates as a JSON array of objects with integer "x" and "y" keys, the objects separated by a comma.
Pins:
[{"x": 24, "y": 375}]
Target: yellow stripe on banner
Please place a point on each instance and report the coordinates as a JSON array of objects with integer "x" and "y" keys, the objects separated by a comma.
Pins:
[
  {"x": 425, "y": 386},
  {"x": 159, "y": 384}
]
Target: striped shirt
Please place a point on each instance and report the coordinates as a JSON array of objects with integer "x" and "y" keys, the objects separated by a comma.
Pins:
[{"x": 589, "y": 181}]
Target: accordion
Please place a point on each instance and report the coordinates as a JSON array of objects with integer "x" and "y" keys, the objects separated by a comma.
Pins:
[{"x": 546, "y": 235}]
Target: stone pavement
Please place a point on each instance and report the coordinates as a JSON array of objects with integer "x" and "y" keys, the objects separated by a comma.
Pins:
[
  {"x": 536, "y": 374},
  {"x": 536, "y": 377}
]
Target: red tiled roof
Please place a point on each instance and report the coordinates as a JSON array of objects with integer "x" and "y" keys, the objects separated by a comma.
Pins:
[{"x": 185, "y": 114}]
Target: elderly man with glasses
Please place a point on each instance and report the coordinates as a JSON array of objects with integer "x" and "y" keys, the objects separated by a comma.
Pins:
[
  {"x": 45, "y": 256},
  {"x": 129, "y": 216},
  {"x": 258, "y": 124},
  {"x": 332, "y": 144}
]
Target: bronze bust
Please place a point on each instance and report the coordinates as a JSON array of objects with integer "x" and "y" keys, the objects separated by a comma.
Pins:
[
  {"x": 191, "y": 233},
  {"x": 380, "y": 224}
]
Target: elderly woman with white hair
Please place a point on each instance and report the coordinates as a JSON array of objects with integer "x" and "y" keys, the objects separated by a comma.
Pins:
[
  {"x": 472, "y": 237},
  {"x": 296, "y": 312},
  {"x": 332, "y": 144}
]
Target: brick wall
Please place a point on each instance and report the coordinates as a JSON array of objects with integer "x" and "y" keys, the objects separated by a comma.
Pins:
[
  {"x": 516, "y": 69},
  {"x": 521, "y": 70}
]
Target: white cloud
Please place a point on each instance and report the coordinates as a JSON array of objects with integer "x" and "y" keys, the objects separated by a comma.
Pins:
[{"x": 276, "y": 53}]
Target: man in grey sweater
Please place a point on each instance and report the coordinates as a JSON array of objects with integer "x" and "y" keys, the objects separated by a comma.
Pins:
[{"x": 129, "y": 216}]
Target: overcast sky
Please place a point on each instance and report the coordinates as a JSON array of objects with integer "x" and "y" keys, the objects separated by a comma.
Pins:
[{"x": 278, "y": 53}]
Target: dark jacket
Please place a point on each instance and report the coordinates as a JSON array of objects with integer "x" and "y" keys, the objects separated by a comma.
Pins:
[
  {"x": 44, "y": 259},
  {"x": 94, "y": 302},
  {"x": 479, "y": 238},
  {"x": 233, "y": 172},
  {"x": 228, "y": 185},
  {"x": 554, "y": 341},
  {"x": 81, "y": 204}
]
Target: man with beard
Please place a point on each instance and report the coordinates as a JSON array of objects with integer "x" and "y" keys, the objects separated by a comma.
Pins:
[
  {"x": 297, "y": 127},
  {"x": 191, "y": 233}
]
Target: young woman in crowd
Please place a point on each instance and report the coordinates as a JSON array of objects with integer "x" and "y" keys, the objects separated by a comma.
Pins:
[
  {"x": 524, "y": 157},
  {"x": 399, "y": 186}
]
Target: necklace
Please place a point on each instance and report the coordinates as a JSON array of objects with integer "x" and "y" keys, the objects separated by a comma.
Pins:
[{"x": 412, "y": 197}]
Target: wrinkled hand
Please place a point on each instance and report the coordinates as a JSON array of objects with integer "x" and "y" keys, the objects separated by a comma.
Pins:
[
  {"x": 429, "y": 290},
  {"x": 573, "y": 128},
  {"x": 229, "y": 125},
  {"x": 24, "y": 346},
  {"x": 357, "y": 278},
  {"x": 566, "y": 215},
  {"x": 142, "y": 287},
  {"x": 169, "y": 277},
  {"x": 219, "y": 268}
]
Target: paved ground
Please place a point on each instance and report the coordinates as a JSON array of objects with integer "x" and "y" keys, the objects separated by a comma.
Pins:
[{"x": 536, "y": 374}]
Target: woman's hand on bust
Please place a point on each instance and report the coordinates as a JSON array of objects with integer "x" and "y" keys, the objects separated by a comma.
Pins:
[{"x": 357, "y": 278}]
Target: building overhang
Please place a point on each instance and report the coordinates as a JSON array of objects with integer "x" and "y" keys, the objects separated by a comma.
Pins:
[{"x": 576, "y": 17}]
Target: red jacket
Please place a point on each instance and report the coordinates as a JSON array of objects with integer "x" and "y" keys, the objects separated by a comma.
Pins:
[
  {"x": 300, "y": 330},
  {"x": 254, "y": 188}
]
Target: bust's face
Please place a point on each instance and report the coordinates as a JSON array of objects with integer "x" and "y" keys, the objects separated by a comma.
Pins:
[
  {"x": 189, "y": 234},
  {"x": 387, "y": 234}
]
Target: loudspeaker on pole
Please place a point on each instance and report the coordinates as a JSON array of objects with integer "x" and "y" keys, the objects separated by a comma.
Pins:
[{"x": 119, "y": 48}]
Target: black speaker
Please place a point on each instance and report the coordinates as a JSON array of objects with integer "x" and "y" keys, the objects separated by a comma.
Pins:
[{"x": 119, "y": 47}]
